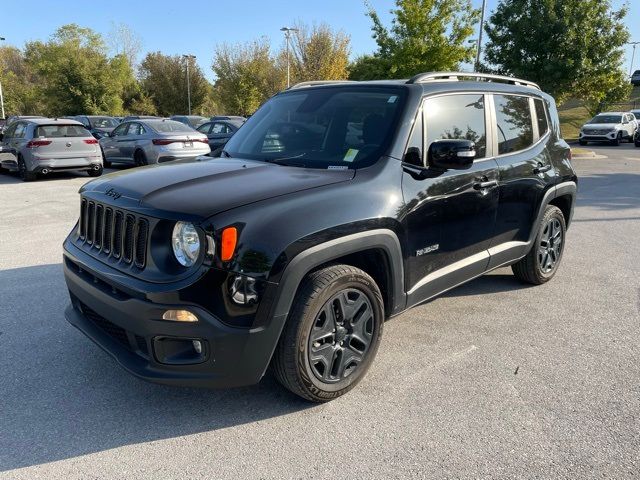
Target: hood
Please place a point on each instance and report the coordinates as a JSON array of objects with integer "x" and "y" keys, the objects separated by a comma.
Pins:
[
  {"x": 104, "y": 129},
  {"x": 600, "y": 126},
  {"x": 200, "y": 188}
]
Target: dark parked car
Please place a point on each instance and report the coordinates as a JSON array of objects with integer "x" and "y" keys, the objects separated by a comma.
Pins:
[
  {"x": 219, "y": 132},
  {"x": 14, "y": 118},
  {"x": 138, "y": 117},
  {"x": 228, "y": 117},
  {"x": 98, "y": 125},
  {"x": 191, "y": 120},
  {"x": 334, "y": 208},
  {"x": 636, "y": 138}
]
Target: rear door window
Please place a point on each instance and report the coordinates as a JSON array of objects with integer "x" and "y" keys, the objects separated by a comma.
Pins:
[
  {"x": 219, "y": 128},
  {"x": 541, "y": 116},
  {"x": 457, "y": 117},
  {"x": 514, "y": 123}
]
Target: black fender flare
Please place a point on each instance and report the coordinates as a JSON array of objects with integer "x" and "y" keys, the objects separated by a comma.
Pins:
[
  {"x": 565, "y": 188},
  {"x": 322, "y": 253}
]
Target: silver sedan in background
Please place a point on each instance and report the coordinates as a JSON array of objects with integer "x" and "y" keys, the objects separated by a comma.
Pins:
[{"x": 147, "y": 141}]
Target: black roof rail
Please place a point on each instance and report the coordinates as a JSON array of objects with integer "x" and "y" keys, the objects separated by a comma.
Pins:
[
  {"x": 314, "y": 83},
  {"x": 480, "y": 77}
]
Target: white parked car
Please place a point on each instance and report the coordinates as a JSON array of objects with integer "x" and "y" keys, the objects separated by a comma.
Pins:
[
  {"x": 152, "y": 140},
  {"x": 43, "y": 145},
  {"x": 611, "y": 127}
]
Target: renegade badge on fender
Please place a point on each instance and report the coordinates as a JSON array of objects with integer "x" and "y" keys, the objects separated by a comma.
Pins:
[{"x": 336, "y": 206}]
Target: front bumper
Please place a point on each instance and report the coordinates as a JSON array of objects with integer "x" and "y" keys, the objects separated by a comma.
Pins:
[
  {"x": 600, "y": 137},
  {"x": 123, "y": 320}
]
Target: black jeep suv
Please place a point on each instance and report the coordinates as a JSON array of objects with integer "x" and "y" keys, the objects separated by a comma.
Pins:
[{"x": 337, "y": 206}]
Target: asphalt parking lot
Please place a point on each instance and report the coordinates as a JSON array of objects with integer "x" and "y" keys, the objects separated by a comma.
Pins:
[{"x": 492, "y": 380}]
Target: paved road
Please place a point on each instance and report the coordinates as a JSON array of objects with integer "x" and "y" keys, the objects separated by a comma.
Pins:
[{"x": 493, "y": 380}]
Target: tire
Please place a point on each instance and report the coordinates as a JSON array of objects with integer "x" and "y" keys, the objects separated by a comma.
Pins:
[
  {"x": 316, "y": 321},
  {"x": 25, "y": 174},
  {"x": 140, "y": 159},
  {"x": 542, "y": 262},
  {"x": 637, "y": 143},
  {"x": 617, "y": 140},
  {"x": 582, "y": 142},
  {"x": 96, "y": 173}
]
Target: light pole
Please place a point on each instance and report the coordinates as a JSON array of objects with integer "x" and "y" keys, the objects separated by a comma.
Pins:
[
  {"x": 1, "y": 97},
  {"x": 633, "y": 56},
  {"x": 189, "y": 58},
  {"x": 477, "y": 65},
  {"x": 287, "y": 34}
]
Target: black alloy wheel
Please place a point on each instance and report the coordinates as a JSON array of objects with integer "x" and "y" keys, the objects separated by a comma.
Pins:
[{"x": 341, "y": 335}]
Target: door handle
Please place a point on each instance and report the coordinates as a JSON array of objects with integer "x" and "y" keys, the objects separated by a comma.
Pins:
[
  {"x": 485, "y": 185},
  {"x": 541, "y": 168}
]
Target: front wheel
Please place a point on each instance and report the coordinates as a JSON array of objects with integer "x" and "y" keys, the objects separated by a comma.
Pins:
[
  {"x": 616, "y": 141},
  {"x": 332, "y": 333},
  {"x": 542, "y": 262}
]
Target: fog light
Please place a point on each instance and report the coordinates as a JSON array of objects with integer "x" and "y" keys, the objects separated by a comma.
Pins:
[
  {"x": 197, "y": 346},
  {"x": 179, "y": 316}
]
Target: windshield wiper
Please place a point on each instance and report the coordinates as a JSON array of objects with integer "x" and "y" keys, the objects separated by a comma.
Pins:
[
  {"x": 225, "y": 154},
  {"x": 285, "y": 160}
]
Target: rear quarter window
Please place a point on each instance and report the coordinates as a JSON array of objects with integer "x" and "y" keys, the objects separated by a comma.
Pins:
[
  {"x": 514, "y": 123},
  {"x": 541, "y": 116}
]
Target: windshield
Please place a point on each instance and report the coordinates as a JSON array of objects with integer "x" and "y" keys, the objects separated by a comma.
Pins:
[
  {"x": 606, "y": 119},
  {"x": 169, "y": 126},
  {"x": 321, "y": 128},
  {"x": 103, "y": 122},
  {"x": 53, "y": 131}
]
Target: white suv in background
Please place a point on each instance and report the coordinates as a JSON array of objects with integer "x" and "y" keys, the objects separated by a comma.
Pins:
[{"x": 611, "y": 127}]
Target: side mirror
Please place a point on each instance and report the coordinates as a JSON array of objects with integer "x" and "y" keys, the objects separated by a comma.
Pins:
[
  {"x": 413, "y": 157},
  {"x": 451, "y": 154}
]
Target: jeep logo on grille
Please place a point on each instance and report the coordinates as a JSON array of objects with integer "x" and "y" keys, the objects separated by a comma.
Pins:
[{"x": 112, "y": 193}]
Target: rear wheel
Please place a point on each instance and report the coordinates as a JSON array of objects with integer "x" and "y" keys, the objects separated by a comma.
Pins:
[
  {"x": 96, "y": 173},
  {"x": 24, "y": 173},
  {"x": 140, "y": 158},
  {"x": 543, "y": 260},
  {"x": 332, "y": 333}
]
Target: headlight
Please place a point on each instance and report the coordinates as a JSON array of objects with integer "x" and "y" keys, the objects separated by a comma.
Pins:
[{"x": 186, "y": 243}]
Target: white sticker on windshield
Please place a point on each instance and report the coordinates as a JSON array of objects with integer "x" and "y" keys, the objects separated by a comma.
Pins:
[
  {"x": 350, "y": 155},
  {"x": 337, "y": 167},
  {"x": 392, "y": 99}
]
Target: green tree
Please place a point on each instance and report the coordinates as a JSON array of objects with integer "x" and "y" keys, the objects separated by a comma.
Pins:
[
  {"x": 247, "y": 75},
  {"x": 317, "y": 53},
  {"x": 75, "y": 74},
  {"x": 425, "y": 35},
  {"x": 569, "y": 47},
  {"x": 20, "y": 85},
  {"x": 164, "y": 79}
]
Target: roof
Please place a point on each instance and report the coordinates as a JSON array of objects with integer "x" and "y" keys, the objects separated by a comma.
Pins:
[
  {"x": 612, "y": 113},
  {"x": 430, "y": 78},
  {"x": 53, "y": 121}
]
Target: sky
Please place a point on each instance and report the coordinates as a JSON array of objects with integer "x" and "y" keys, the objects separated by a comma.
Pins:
[{"x": 179, "y": 27}]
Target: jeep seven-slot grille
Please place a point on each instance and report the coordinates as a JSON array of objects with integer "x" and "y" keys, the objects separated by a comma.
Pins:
[{"x": 113, "y": 232}]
